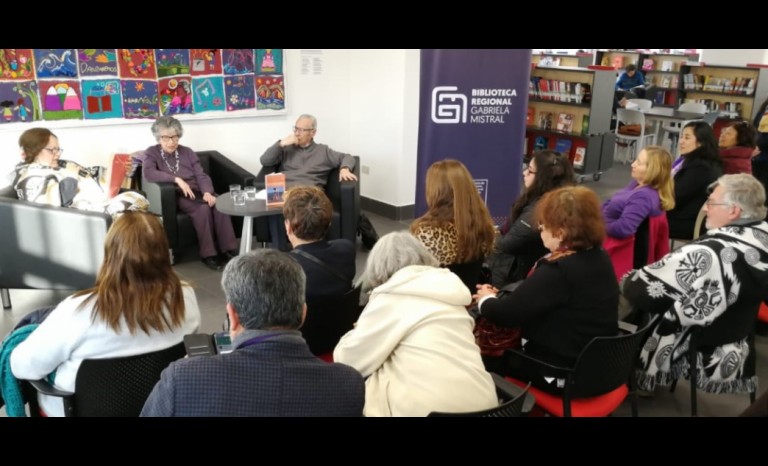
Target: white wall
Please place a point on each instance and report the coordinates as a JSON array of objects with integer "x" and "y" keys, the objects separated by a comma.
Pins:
[
  {"x": 733, "y": 57},
  {"x": 366, "y": 102}
]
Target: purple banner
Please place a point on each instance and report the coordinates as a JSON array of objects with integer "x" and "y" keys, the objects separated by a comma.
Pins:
[{"x": 472, "y": 108}]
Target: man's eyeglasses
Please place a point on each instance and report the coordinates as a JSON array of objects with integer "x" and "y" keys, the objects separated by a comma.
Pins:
[
  {"x": 711, "y": 202},
  {"x": 169, "y": 138},
  {"x": 296, "y": 129},
  {"x": 55, "y": 150}
]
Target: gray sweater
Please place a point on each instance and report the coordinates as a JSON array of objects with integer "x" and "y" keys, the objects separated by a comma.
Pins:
[{"x": 308, "y": 165}]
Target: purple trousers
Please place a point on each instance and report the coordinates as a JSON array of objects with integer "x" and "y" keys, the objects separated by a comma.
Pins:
[{"x": 209, "y": 223}]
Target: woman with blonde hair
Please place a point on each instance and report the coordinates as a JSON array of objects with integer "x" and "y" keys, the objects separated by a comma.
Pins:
[
  {"x": 457, "y": 227},
  {"x": 138, "y": 305},
  {"x": 650, "y": 193}
]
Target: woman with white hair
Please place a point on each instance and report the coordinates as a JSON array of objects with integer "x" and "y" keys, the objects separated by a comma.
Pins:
[{"x": 414, "y": 340}]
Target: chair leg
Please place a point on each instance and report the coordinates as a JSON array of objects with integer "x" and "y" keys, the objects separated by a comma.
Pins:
[
  {"x": 693, "y": 364},
  {"x": 6, "y": 296}
]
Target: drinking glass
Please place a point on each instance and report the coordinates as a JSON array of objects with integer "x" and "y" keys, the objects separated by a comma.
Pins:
[
  {"x": 238, "y": 197},
  {"x": 233, "y": 188},
  {"x": 250, "y": 193}
]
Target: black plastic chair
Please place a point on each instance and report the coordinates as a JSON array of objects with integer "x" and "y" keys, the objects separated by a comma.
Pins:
[
  {"x": 113, "y": 387},
  {"x": 692, "y": 355},
  {"x": 599, "y": 381},
  {"x": 514, "y": 402},
  {"x": 329, "y": 319},
  {"x": 468, "y": 272}
]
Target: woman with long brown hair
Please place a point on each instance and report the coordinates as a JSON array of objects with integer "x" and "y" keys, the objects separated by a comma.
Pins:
[
  {"x": 457, "y": 228},
  {"x": 137, "y": 306}
]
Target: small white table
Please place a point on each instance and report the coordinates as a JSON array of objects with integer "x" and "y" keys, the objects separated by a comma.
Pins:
[{"x": 251, "y": 209}]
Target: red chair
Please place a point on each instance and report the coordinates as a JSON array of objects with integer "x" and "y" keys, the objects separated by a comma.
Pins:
[
  {"x": 327, "y": 357},
  {"x": 599, "y": 381}
]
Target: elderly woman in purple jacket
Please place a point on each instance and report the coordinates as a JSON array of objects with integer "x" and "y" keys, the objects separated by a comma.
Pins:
[
  {"x": 171, "y": 162},
  {"x": 648, "y": 194}
]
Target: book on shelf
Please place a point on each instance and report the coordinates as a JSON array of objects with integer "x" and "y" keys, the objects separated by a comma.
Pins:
[
  {"x": 578, "y": 157},
  {"x": 585, "y": 124},
  {"x": 530, "y": 117},
  {"x": 545, "y": 120},
  {"x": 606, "y": 61},
  {"x": 648, "y": 64},
  {"x": 540, "y": 143},
  {"x": 618, "y": 62},
  {"x": 667, "y": 65},
  {"x": 565, "y": 122},
  {"x": 549, "y": 61},
  {"x": 563, "y": 145},
  {"x": 275, "y": 186}
]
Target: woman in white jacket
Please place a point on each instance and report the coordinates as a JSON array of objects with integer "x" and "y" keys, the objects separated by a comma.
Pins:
[{"x": 414, "y": 340}]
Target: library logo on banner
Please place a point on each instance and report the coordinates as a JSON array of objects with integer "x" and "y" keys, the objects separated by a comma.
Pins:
[{"x": 487, "y": 106}]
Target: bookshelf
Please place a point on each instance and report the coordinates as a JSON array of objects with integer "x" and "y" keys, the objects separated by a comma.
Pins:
[
  {"x": 618, "y": 59},
  {"x": 561, "y": 59},
  {"x": 735, "y": 91},
  {"x": 662, "y": 70},
  {"x": 567, "y": 112}
]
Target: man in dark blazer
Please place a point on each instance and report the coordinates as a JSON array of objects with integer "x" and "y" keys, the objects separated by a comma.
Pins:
[{"x": 271, "y": 371}]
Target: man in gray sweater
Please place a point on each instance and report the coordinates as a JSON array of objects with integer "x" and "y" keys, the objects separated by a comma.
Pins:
[{"x": 305, "y": 162}]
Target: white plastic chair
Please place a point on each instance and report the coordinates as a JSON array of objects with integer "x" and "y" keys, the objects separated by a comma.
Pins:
[
  {"x": 639, "y": 104},
  {"x": 630, "y": 117},
  {"x": 673, "y": 128}
]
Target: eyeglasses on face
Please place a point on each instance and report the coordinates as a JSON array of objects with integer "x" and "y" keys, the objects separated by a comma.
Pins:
[
  {"x": 55, "y": 150},
  {"x": 169, "y": 138},
  {"x": 527, "y": 168},
  {"x": 296, "y": 129},
  {"x": 711, "y": 202}
]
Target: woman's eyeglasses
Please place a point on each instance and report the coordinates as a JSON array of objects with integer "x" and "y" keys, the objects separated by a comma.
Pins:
[
  {"x": 55, "y": 150},
  {"x": 169, "y": 138}
]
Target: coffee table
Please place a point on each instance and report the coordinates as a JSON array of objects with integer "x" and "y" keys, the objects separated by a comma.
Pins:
[{"x": 251, "y": 209}]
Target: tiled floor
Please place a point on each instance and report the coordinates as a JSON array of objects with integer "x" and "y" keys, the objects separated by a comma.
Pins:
[{"x": 211, "y": 302}]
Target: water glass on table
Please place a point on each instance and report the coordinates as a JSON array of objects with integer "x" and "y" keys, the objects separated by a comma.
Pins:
[
  {"x": 250, "y": 193},
  {"x": 238, "y": 197},
  {"x": 233, "y": 188}
]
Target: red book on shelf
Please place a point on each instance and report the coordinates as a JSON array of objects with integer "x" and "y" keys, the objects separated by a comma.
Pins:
[
  {"x": 578, "y": 153},
  {"x": 530, "y": 117}
]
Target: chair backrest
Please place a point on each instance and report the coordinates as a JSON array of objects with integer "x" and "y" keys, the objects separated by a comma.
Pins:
[
  {"x": 509, "y": 408},
  {"x": 329, "y": 319},
  {"x": 640, "y": 104},
  {"x": 699, "y": 222},
  {"x": 693, "y": 107},
  {"x": 118, "y": 387},
  {"x": 605, "y": 364}
]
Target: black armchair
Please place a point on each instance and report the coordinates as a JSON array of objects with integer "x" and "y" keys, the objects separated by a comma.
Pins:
[
  {"x": 48, "y": 248},
  {"x": 344, "y": 195},
  {"x": 178, "y": 225}
]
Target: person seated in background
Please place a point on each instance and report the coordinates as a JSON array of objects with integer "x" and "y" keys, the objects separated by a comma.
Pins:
[
  {"x": 305, "y": 162},
  {"x": 271, "y": 371},
  {"x": 630, "y": 79},
  {"x": 520, "y": 246},
  {"x": 570, "y": 297},
  {"x": 715, "y": 283},
  {"x": 457, "y": 227},
  {"x": 137, "y": 306},
  {"x": 307, "y": 211},
  {"x": 648, "y": 194},
  {"x": 760, "y": 154},
  {"x": 414, "y": 339},
  {"x": 44, "y": 178},
  {"x": 737, "y": 145},
  {"x": 170, "y": 162},
  {"x": 697, "y": 167}
]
